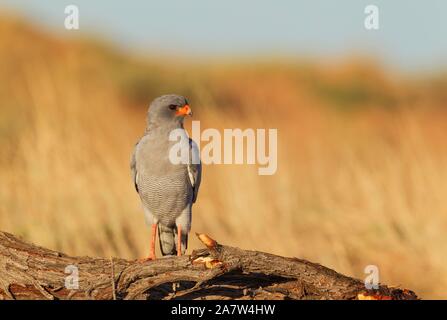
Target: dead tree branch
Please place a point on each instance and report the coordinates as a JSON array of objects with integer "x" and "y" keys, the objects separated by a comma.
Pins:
[{"x": 217, "y": 272}]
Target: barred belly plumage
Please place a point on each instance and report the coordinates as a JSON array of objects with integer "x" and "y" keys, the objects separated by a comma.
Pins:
[{"x": 167, "y": 196}]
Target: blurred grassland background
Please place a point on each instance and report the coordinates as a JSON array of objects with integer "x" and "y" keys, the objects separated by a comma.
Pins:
[{"x": 362, "y": 171}]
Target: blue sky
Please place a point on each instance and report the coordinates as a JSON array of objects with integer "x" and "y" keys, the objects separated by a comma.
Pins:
[{"x": 412, "y": 34}]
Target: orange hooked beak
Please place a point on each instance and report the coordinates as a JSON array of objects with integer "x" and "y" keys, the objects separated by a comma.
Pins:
[{"x": 184, "y": 111}]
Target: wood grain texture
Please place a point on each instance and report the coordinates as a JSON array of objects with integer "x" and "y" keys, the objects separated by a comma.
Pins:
[{"x": 28, "y": 271}]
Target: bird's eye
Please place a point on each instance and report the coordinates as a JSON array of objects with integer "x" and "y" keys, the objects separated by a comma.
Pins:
[{"x": 172, "y": 106}]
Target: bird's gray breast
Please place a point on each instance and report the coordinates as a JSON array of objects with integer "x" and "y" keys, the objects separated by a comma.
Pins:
[{"x": 164, "y": 187}]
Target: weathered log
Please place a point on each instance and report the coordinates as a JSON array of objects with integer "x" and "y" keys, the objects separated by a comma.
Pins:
[{"x": 217, "y": 272}]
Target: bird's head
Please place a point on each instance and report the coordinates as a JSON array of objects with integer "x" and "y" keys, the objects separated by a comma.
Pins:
[{"x": 168, "y": 110}]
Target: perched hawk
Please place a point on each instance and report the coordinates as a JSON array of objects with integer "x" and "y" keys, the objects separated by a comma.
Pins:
[{"x": 167, "y": 188}]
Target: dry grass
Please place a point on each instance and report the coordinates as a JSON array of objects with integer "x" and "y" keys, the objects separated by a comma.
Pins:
[{"x": 362, "y": 174}]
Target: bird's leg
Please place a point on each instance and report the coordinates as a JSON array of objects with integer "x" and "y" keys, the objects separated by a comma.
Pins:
[
  {"x": 152, "y": 247},
  {"x": 179, "y": 240},
  {"x": 154, "y": 237}
]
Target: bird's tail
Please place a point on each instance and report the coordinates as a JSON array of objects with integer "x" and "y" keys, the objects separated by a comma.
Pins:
[{"x": 167, "y": 240}]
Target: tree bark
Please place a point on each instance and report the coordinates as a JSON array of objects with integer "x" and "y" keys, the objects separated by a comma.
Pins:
[{"x": 217, "y": 272}]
